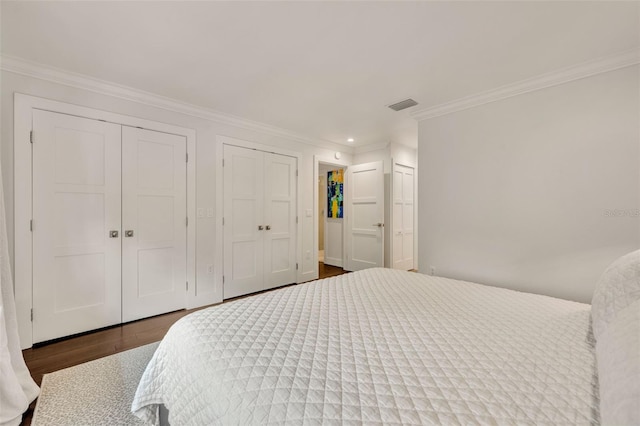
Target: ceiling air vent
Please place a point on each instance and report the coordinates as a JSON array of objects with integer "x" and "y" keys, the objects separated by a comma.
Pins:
[{"x": 399, "y": 106}]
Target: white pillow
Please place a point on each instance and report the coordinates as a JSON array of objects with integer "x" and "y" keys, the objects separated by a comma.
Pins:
[
  {"x": 618, "y": 356},
  {"x": 615, "y": 318},
  {"x": 618, "y": 288}
]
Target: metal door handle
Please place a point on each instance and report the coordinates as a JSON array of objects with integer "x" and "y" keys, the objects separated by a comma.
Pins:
[
  {"x": 113, "y": 234},
  {"x": 268, "y": 227},
  {"x": 128, "y": 233},
  {"x": 379, "y": 225},
  {"x": 260, "y": 227}
]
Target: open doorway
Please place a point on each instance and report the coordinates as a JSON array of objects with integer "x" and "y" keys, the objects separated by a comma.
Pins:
[
  {"x": 356, "y": 240},
  {"x": 330, "y": 219}
]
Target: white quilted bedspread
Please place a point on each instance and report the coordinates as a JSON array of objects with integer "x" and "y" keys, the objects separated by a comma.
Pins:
[{"x": 377, "y": 346}]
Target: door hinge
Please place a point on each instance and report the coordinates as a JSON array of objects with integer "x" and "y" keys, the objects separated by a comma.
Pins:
[
  {"x": 296, "y": 266},
  {"x": 186, "y": 221},
  {"x": 187, "y": 157},
  {"x": 223, "y": 279},
  {"x": 296, "y": 219},
  {"x": 223, "y": 221},
  {"x": 223, "y": 162},
  {"x": 31, "y": 225},
  {"x": 31, "y": 314},
  {"x": 296, "y": 172},
  {"x": 31, "y": 139},
  {"x": 187, "y": 285}
]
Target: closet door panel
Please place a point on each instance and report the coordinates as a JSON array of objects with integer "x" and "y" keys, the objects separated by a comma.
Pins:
[
  {"x": 403, "y": 220},
  {"x": 154, "y": 223},
  {"x": 280, "y": 218},
  {"x": 76, "y": 205},
  {"x": 243, "y": 216}
]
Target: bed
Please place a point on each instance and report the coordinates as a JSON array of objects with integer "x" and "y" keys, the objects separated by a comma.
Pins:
[{"x": 378, "y": 346}]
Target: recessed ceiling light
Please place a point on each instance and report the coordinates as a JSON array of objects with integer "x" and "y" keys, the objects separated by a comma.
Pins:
[{"x": 350, "y": 140}]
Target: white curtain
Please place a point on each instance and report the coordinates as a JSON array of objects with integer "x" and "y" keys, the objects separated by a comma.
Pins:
[{"x": 17, "y": 388}]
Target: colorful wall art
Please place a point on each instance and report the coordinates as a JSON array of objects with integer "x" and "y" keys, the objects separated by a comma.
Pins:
[{"x": 335, "y": 182}]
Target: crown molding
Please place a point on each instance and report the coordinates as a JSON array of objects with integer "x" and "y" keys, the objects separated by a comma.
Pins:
[
  {"x": 371, "y": 147},
  {"x": 565, "y": 75},
  {"x": 80, "y": 81}
]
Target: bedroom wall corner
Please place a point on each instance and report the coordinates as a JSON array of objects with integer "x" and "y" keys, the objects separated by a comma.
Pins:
[{"x": 538, "y": 192}]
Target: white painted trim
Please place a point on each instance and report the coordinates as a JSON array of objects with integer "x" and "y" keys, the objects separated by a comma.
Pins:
[
  {"x": 23, "y": 250},
  {"x": 555, "y": 78},
  {"x": 84, "y": 82},
  {"x": 194, "y": 298},
  {"x": 222, "y": 140},
  {"x": 390, "y": 225},
  {"x": 415, "y": 214},
  {"x": 218, "y": 250},
  {"x": 229, "y": 140},
  {"x": 317, "y": 159}
]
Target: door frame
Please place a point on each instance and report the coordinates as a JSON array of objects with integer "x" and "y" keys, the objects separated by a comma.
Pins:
[
  {"x": 317, "y": 159},
  {"x": 22, "y": 186},
  {"x": 222, "y": 140}
]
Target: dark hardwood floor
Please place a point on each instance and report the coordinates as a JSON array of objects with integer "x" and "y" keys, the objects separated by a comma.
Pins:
[
  {"x": 67, "y": 352},
  {"x": 326, "y": 271}
]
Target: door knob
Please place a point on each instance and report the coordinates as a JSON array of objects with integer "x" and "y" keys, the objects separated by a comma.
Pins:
[
  {"x": 379, "y": 225},
  {"x": 113, "y": 234},
  {"x": 128, "y": 233},
  {"x": 260, "y": 227},
  {"x": 268, "y": 227}
]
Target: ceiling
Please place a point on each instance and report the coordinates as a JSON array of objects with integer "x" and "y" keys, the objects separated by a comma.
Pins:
[{"x": 326, "y": 70}]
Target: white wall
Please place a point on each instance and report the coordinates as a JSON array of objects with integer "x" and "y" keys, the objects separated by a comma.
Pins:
[
  {"x": 206, "y": 160},
  {"x": 398, "y": 152},
  {"x": 515, "y": 193},
  {"x": 383, "y": 154},
  {"x": 404, "y": 155}
]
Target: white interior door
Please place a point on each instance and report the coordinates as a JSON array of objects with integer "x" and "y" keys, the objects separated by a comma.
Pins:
[
  {"x": 154, "y": 240},
  {"x": 364, "y": 216},
  {"x": 279, "y": 219},
  {"x": 243, "y": 221},
  {"x": 76, "y": 207},
  {"x": 403, "y": 190}
]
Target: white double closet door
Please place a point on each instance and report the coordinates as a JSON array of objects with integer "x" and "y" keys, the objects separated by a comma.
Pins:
[
  {"x": 109, "y": 224},
  {"x": 259, "y": 220}
]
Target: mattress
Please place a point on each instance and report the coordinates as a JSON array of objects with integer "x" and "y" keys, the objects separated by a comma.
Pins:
[{"x": 377, "y": 346}]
